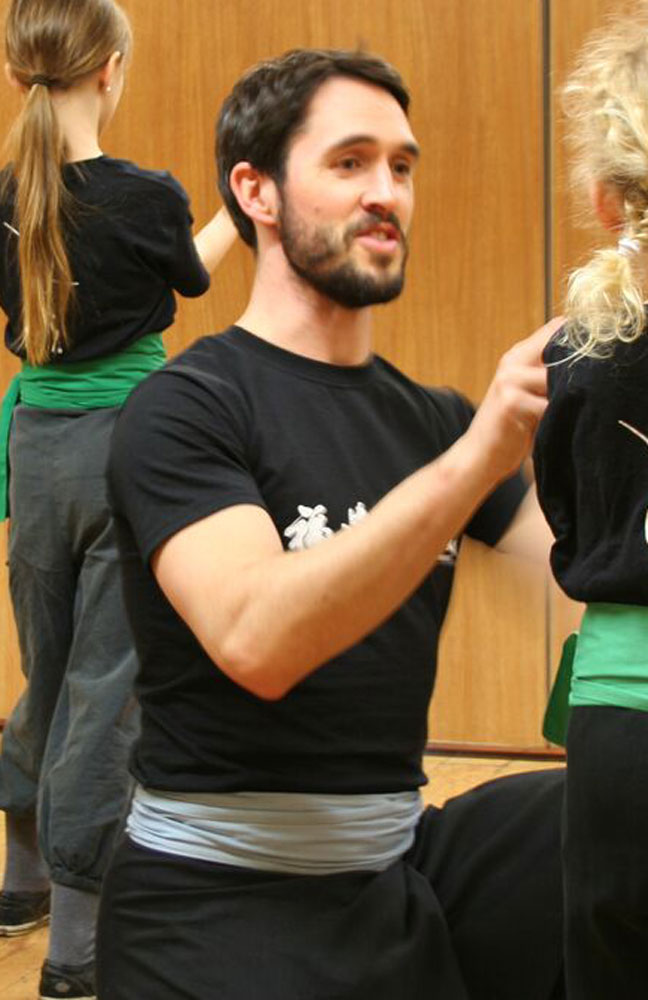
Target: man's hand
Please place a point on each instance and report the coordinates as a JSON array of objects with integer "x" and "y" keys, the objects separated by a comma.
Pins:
[{"x": 505, "y": 424}]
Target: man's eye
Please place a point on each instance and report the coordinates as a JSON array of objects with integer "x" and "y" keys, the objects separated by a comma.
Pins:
[
  {"x": 349, "y": 163},
  {"x": 403, "y": 168}
]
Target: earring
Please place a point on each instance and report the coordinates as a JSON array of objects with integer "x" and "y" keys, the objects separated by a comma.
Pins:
[{"x": 109, "y": 89}]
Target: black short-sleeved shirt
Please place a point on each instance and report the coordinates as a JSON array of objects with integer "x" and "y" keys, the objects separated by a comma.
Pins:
[
  {"x": 129, "y": 246},
  {"x": 591, "y": 461},
  {"x": 237, "y": 420}
]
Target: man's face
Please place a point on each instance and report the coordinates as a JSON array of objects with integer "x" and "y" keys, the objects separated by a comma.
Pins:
[{"x": 347, "y": 198}]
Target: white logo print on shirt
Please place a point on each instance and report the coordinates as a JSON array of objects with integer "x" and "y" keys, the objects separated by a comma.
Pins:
[
  {"x": 311, "y": 527},
  {"x": 355, "y": 514},
  {"x": 633, "y": 430}
]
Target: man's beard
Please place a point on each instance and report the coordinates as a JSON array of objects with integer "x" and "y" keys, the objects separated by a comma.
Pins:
[{"x": 312, "y": 254}]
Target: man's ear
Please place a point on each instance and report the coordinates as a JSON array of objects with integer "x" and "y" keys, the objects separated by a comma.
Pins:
[
  {"x": 607, "y": 202},
  {"x": 256, "y": 193}
]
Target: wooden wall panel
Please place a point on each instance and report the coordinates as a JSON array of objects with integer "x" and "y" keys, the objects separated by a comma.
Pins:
[
  {"x": 575, "y": 232},
  {"x": 483, "y": 245},
  {"x": 475, "y": 280},
  {"x": 10, "y": 677},
  {"x": 11, "y": 682}
]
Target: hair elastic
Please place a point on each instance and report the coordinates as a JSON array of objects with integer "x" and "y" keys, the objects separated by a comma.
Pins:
[
  {"x": 627, "y": 247},
  {"x": 40, "y": 79}
]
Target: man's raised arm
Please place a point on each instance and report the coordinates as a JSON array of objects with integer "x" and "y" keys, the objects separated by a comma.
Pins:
[{"x": 268, "y": 618}]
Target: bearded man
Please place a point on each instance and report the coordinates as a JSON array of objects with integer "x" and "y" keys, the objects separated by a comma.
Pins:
[{"x": 287, "y": 498}]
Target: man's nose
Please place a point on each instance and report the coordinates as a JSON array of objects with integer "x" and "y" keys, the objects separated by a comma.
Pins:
[{"x": 381, "y": 192}]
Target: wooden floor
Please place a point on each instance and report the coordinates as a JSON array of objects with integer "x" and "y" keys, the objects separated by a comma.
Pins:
[{"x": 21, "y": 958}]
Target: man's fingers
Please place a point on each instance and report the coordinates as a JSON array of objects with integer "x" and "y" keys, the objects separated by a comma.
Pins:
[
  {"x": 513, "y": 381},
  {"x": 532, "y": 380},
  {"x": 529, "y": 351},
  {"x": 516, "y": 400}
]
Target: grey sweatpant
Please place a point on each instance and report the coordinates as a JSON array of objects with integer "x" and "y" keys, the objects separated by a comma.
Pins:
[{"x": 66, "y": 745}]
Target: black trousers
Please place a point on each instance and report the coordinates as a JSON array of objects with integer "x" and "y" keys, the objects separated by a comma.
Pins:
[
  {"x": 606, "y": 854},
  {"x": 472, "y": 912}
]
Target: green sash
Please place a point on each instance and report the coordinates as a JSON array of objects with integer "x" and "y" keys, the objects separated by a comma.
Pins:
[
  {"x": 606, "y": 663},
  {"x": 556, "y": 717},
  {"x": 76, "y": 385}
]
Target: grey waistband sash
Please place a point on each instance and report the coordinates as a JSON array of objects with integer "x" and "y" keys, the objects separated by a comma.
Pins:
[{"x": 275, "y": 831}]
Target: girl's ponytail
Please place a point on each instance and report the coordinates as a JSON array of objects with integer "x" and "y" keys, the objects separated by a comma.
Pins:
[
  {"x": 40, "y": 206},
  {"x": 605, "y": 301},
  {"x": 50, "y": 45}
]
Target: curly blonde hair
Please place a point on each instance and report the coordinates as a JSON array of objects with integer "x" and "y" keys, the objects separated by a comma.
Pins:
[{"x": 606, "y": 104}]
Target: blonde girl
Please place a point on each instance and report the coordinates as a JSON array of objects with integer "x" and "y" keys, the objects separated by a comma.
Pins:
[
  {"x": 592, "y": 472},
  {"x": 91, "y": 251}
]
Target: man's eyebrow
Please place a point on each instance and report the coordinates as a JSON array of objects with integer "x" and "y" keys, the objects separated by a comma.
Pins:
[{"x": 411, "y": 148}]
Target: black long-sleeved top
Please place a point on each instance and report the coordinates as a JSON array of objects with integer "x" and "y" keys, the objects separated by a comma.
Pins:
[{"x": 591, "y": 466}]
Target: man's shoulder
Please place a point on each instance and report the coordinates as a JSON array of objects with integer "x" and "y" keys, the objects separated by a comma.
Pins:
[
  {"x": 448, "y": 404},
  {"x": 210, "y": 353},
  {"x": 203, "y": 369}
]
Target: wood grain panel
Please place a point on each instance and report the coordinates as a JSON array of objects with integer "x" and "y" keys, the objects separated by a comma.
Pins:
[
  {"x": 491, "y": 687},
  {"x": 11, "y": 679},
  {"x": 575, "y": 232},
  {"x": 475, "y": 281},
  {"x": 482, "y": 241}
]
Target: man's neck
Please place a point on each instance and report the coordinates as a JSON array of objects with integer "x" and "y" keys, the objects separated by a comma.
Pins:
[{"x": 288, "y": 312}]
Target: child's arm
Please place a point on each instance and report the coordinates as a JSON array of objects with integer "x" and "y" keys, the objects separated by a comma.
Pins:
[{"x": 214, "y": 240}]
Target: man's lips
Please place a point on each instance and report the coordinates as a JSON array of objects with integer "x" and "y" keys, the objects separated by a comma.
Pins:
[
  {"x": 383, "y": 238},
  {"x": 384, "y": 231}
]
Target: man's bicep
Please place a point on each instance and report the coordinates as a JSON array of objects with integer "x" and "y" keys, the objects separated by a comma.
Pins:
[{"x": 203, "y": 569}]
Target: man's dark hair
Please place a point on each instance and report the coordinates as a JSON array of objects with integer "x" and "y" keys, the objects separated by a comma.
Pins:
[{"x": 269, "y": 105}]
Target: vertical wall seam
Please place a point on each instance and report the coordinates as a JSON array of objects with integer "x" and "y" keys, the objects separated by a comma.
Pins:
[{"x": 547, "y": 198}]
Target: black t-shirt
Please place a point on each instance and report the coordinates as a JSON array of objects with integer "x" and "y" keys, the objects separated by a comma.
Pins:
[
  {"x": 592, "y": 472},
  {"x": 237, "y": 420},
  {"x": 129, "y": 246}
]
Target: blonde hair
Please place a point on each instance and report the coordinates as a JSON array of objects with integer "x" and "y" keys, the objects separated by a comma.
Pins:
[
  {"x": 50, "y": 44},
  {"x": 606, "y": 104}
]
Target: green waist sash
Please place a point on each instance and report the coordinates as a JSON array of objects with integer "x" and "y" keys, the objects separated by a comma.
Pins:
[
  {"x": 76, "y": 385},
  {"x": 606, "y": 663}
]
